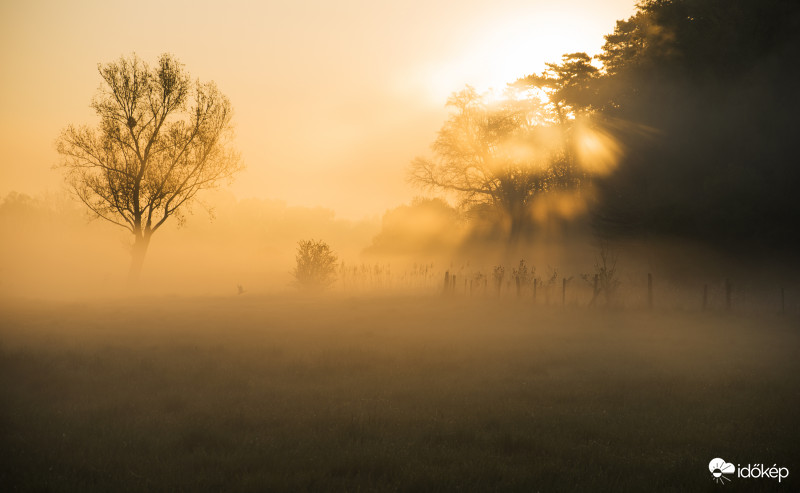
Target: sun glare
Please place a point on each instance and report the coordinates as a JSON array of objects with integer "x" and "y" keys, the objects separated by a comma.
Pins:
[
  {"x": 598, "y": 152},
  {"x": 494, "y": 95},
  {"x": 504, "y": 48}
]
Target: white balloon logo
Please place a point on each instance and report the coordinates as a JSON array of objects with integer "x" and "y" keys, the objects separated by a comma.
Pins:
[{"x": 718, "y": 467}]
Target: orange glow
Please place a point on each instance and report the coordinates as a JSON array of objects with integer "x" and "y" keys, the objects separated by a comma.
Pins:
[
  {"x": 324, "y": 93},
  {"x": 598, "y": 152},
  {"x": 562, "y": 205}
]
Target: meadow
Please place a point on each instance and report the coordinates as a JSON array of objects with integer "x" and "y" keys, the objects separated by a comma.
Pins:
[{"x": 390, "y": 393}]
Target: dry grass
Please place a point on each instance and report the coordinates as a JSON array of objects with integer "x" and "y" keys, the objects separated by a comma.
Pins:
[{"x": 395, "y": 393}]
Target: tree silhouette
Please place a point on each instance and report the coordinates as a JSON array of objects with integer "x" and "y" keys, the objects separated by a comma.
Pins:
[
  {"x": 161, "y": 139},
  {"x": 712, "y": 86},
  {"x": 570, "y": 86},
  {"x": 498, "y": 157},
  {"x": 316, "y": 265}
]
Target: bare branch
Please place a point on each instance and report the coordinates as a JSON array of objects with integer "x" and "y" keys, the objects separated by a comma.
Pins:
[{"x": 157, "y": 145}]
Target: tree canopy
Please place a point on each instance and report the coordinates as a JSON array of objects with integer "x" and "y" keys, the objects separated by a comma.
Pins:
[
  {"x": 161, "y": 139},
  {"x": 711, "y": 85},
  {"x": 497, "y": 157},
  {"x": 315, "y": 267},
  {"x": 686, "y": 130},
  {"x": 570, "y": 86}
]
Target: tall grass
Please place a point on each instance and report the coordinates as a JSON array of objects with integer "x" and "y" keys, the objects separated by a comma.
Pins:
[{"x": 389, "y": 393}]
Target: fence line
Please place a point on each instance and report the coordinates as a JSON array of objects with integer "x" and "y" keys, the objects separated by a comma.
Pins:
[{"x": 633, "y": 290}]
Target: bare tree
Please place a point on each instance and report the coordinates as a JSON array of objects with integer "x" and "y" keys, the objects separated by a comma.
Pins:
[
  {"x": 497, "y": 156},
  {"x": 605, "y": 278},
  {"x": 161, "y": 139}
]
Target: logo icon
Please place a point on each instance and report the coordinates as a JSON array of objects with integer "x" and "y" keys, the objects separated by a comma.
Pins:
[{"x": 718, "y": 468}]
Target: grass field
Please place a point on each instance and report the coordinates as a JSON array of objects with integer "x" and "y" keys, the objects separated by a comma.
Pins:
[{"x": 390, "y": 393}]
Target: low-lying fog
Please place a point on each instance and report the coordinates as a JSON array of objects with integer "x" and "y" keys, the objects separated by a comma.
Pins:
[{"x": 52, "y": 249}]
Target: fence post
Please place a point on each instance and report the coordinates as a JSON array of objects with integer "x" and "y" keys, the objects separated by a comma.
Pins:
[
  {"x": 453, "y": 285},
  {"x": 564, "y": 292},
  {"x": 446, "y": 281},
  {"x": 650, "y": 291},
  {"x": 535, "y": 283},
  {"x": 728, "y": 288}
]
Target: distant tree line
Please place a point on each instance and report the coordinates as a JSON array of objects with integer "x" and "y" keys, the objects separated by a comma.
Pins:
[
  {"x": 700, "y": 98},
  {"x": 713, "y": 85}
]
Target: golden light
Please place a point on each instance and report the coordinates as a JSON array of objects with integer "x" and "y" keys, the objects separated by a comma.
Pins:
[
  {"x": 503, "y": 47},
  {"x": 388, "y": 71},
  {"x": 598, "y": 152},
  {"x": 564, "y": 205},
  {"x": 494, "y": 96}
]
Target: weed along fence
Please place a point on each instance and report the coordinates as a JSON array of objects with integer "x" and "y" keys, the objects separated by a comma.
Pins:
[{"x": 603, "y": 288}]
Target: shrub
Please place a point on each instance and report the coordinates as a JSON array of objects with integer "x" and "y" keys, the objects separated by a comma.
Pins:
[{"x": 316, "y": 265}]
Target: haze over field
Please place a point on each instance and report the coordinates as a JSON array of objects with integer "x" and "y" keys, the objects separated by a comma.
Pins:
[
  {"x": 337, "y": 115},
  {"x": 408, "y": 246},
  {"x": 408, "y": 394},
  {"x": 345, "y": 92}
]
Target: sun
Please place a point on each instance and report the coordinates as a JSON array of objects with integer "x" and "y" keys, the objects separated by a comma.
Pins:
[{"x": 504, "y": 47}]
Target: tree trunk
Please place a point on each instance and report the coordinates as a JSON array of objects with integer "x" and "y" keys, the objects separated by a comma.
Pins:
[
  {"x": 519, "y": 223},
  {"x": 140, "y": 244}
]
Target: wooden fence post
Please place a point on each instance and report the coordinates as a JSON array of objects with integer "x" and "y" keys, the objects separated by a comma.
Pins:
[
  {"x": 564, "y": 292},
  {"x": 446, "y": 281}
]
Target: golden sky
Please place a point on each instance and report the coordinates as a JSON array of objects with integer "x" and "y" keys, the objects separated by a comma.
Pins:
[{"x": 332, "y": 99}]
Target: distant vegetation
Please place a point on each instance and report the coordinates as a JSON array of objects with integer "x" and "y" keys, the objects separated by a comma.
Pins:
[
  {"x": 315, "y": 267},
  {"x": 687, "y": 130},
  {"x": 520, "y": 332},
  {"x": 682, "y": 128}
]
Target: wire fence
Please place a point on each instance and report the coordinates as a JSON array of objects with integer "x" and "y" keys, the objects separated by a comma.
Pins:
[{"x": 552, "y": 287}]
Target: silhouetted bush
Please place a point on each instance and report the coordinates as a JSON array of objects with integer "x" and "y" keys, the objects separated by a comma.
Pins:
[{"x": 316, "y": 265}]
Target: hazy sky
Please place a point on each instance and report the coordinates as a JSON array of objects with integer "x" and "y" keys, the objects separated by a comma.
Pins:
[{"x": 332, "y": 98}]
